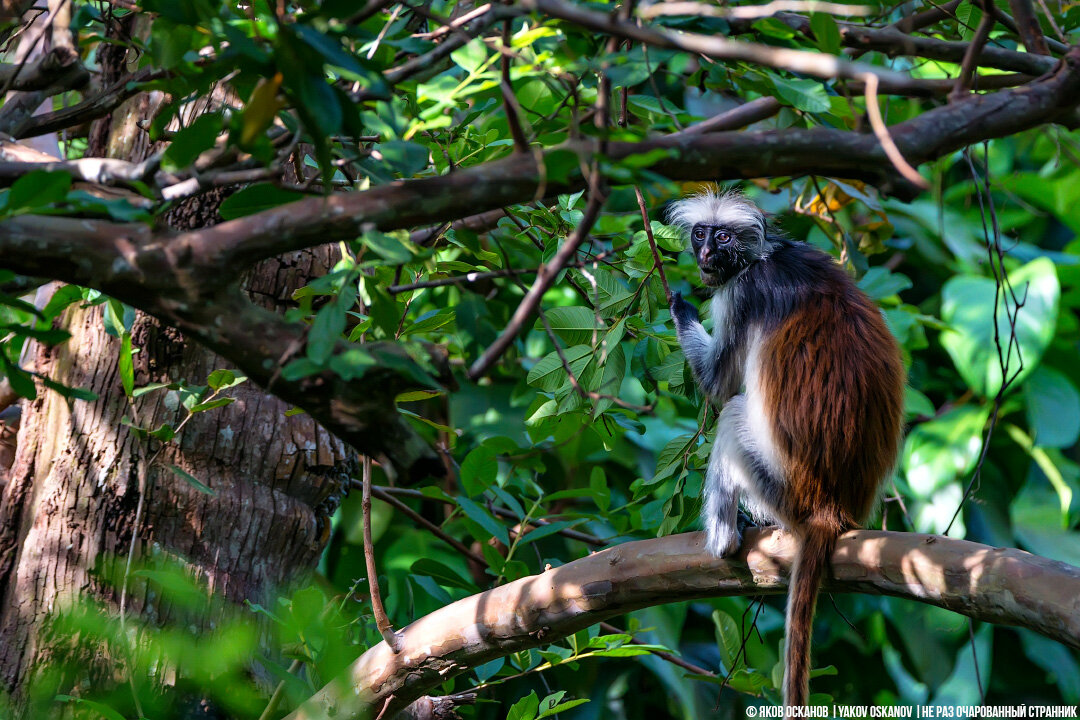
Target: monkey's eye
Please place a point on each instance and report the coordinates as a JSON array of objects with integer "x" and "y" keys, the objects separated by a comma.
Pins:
[
  {"x": 723, "y": 237},
  {"x": 699, "y": 234}
]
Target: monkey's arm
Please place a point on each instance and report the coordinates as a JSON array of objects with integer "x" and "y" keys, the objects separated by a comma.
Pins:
[{"x": 714, "y": 363}]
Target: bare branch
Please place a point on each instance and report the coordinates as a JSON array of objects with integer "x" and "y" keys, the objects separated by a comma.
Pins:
[
  {"x": 718, "y": 48},
  {"x": 92, "y": 108},
  {"x": 892, "y": 42},
  {"x": 928, "y": 17},
  {"x": 1027, "y": 25},
  {"x": 970, "y": 61},
  {"x": 881, "y": 131},
  {"x": 54, "y": 69},
  {"x": 746, "y": 114},
  {"x": 377, "y": 609},
  {"x": 1007, "y": 20},
  {"x": 751, "y": 11},
  {"x": 103, "y": 171},
  {"x": 998, "y": 585}
]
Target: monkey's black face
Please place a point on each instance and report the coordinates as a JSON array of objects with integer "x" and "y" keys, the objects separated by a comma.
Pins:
[{"x": 718, "y": 252}]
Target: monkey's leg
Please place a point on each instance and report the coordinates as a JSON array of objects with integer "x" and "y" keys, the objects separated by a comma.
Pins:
[
  {"x": 727, "y": 477},
  {"x": 737, "y": 468}
]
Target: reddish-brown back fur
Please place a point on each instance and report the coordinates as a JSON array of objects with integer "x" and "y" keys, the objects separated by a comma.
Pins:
[{"x": 832, "y": 378}]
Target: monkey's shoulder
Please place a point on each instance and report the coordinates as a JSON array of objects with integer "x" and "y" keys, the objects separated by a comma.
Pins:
[{"x": 800, "y": 269}]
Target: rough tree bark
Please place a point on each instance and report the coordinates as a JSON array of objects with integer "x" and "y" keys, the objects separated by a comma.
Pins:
[{"x": 73, "y": 490}]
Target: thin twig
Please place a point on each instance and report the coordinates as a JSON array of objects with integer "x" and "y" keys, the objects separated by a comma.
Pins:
[
  {"x": 882, "y": 132},
  {"x": 670, "y": 657},
  {"x": 382, "y": 622},
  {"x": 419, "y": 519},
  {"x": 270, "y": 711},
  {"x": 575, "y": 383},
  {"x": 510, "y": 102},
  {"x": 652, "y": 242},
  {"x": 501, "y": 512},
  {"x": 971, "y": 57},
  {"x": 544, "y": 279}
]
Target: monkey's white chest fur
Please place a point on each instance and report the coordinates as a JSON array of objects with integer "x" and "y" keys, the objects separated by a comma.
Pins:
[{"x": 745, "y": 432}]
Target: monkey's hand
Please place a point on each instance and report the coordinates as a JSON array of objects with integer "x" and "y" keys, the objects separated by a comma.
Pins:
[{"x": 682, "y": 312}]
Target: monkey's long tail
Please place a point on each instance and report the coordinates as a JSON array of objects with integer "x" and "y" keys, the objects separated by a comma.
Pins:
[{"x": 818, "y": 541}]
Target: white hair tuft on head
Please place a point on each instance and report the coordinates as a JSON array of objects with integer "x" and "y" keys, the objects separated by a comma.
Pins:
[{"x": 714, "y": 207}]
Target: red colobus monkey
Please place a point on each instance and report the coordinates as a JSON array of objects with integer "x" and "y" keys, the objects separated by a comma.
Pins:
[{"x": 817, "y": 426}]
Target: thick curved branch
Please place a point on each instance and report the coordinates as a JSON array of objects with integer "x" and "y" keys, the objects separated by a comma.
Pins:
[
  {"x": 125, "y": 262},
  {"x": 53, "y": 70},
  {"x": 998, "y": 585}
]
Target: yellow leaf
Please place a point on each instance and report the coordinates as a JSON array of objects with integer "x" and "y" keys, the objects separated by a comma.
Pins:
[{"x": 261, "y": 109}]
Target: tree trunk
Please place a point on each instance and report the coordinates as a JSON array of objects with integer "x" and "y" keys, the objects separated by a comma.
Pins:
[{"x": 71, "y": 498}]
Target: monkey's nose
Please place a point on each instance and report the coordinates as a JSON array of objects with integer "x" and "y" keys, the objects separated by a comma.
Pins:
[{"x": 705, "y": 256}]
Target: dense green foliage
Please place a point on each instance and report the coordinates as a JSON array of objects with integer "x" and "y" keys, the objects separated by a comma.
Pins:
[{"x": 979, "y": 279}]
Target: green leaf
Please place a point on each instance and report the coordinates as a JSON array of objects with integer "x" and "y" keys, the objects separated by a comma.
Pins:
[
  {"x": 224, "y": 379},
  {"x": 806, "y": 95},
  {"x": 728, "y": 638},
  {"x": 255, "y": 199},
  {"x": 37, "y": 189},
  {"x": 190, "y": 142},
  {"x": 574, "y": 325},
  {"x": 126, "y": 364},
  {"x": 968, "y": 307},
  {"x": 826, "y": 32},
  {"x": 879, "y": 282},
  {"x": 553, "y": 704},
  {"x": 118, "y": 318},
  {"x": 406, "y": 158},
  {"x": 429, "y": 322},
  {"x": 326, "y": 331},
  {"x": 1053, "y": 408},
  {"x": 100, "y": 708},
  {"x": 672, "y": 458},
  {"x": 441, "y": 574},
  {"x": 471, "y": 56},
  {"x": 1051, "y": 469},
  {"x": 20, "y": 380},
  {"x": 66, "y": 391},
  {"x": 353, "y": 363},
  {"x": 48, "y": 336},
  {"x": 192, "y": 480},
  {"x": 211, "y": 404},
  {"x": 525, "y": 708},
  {"x": 939, "y": 451},
  {"x": 479, "y": 470},
  {"x": 549, "y": 374},
  {"x": 481, "y": 517},
  {"x": 391, "y": 248},
  {"x": 550, "y": 528}
]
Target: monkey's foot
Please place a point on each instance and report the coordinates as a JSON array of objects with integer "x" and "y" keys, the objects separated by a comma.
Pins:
[{"x": 723, "y": 544}]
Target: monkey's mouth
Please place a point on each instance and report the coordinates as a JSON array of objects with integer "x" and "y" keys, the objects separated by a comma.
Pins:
[{"x": 712, "y": 279}]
